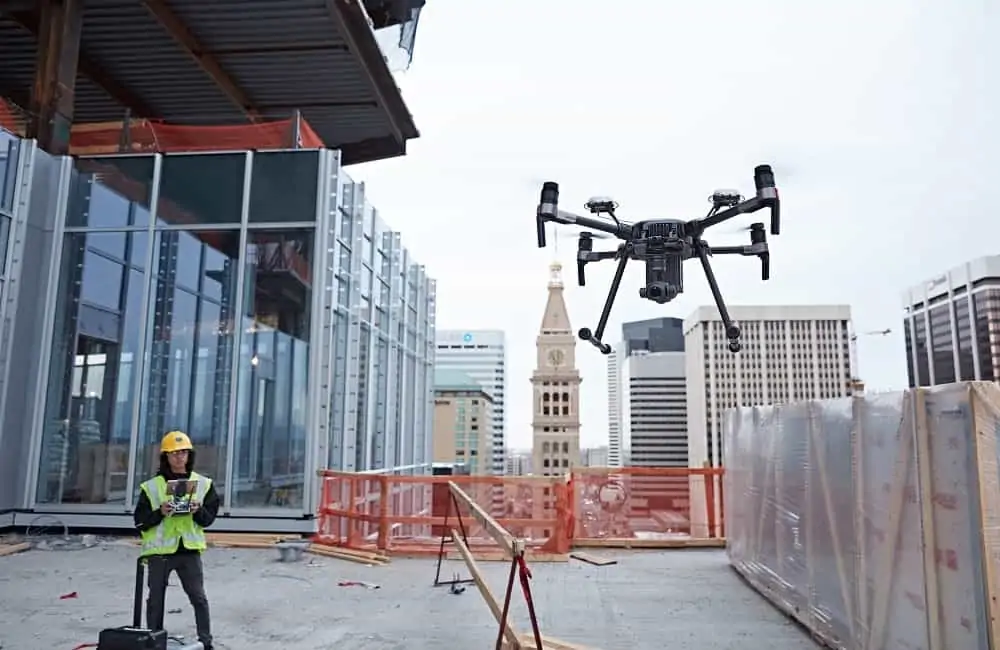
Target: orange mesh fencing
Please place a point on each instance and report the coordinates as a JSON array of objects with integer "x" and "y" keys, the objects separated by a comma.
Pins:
[
  {"x": 647, "y": 506},
  {"x": 405, "y": 515},
  {"x": 632, "y": 506},
  {"x": 152, "y": 136}
]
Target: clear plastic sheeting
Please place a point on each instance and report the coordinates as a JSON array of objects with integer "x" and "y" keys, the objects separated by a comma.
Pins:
[{"x": 873, "y": 520}]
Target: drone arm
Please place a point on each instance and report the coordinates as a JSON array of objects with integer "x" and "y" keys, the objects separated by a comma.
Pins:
[
  {"x": 757, "y": 249},
  {"x": 767, "y": 197},
  {"x": 745, "y": 207},
  {"x": 584, "y": 257}
]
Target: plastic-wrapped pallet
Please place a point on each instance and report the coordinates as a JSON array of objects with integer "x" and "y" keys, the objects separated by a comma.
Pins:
[{"x": 862, "y": 516}]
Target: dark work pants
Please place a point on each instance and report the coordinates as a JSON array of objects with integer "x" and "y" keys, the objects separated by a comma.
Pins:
[{"x": 189, "y": 571}]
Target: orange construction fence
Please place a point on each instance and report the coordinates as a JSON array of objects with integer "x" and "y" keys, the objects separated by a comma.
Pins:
[
  {"x": 631, "y": 507},
  {"x": 153, "y": 136}
]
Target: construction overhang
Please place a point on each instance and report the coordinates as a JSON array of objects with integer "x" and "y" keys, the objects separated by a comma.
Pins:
[{"x": 219, "y": 63}]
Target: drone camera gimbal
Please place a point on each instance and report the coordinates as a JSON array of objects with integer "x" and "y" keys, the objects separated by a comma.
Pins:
[{"x": 664, "y": 245}]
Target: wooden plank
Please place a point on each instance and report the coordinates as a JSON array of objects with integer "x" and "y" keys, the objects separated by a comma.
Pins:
[
  {"x": 984, "y": 405},
  {"x": 816, "y": 442},
  {"x": 925, "y": 492},
  {"x": 592, "y": 559},
  {"x": 11, "y": 549},
  {"x": 327, "y": 551},
  {"x": 650, "y": 543},
  {"x": 484, "y": 589},
  {"x": 885, "y": 574},
  {"x": 495, "y": 530},
  {"x": 549, "y": 643}
]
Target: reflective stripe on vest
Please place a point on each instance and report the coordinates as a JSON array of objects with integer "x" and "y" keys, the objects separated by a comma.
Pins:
[{"x": 165, "y": 538}]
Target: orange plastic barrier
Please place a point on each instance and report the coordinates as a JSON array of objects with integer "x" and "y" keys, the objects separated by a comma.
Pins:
[
  {"x": 641, "y": 507},
  {"x": 149, "y": 136},
  {"x": 406, "y": 514}
]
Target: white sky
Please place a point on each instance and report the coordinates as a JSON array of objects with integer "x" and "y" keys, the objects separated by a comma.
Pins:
[{"x": 880, "y": 119}]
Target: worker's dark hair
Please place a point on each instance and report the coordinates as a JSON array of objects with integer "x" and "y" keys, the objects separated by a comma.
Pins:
[{"x": 165, "y": 464}]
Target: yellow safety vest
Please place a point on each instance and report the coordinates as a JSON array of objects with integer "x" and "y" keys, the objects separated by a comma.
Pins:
[{"x": 165, "y": 538}]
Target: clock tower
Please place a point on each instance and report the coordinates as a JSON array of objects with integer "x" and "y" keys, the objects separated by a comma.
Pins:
[{"x": 555, "y": 421}]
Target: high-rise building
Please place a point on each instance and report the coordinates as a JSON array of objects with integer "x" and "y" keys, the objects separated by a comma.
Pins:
[
  {"x": 651, "y": 335},
  {"x": 790, "y": 353},
  {"x": 463, "y": 422},
  {"x": 286, "y": 331},
  {"x": 655, "y": 409},
  {"x": 555, "y": 421},
  {"x": 480, "y": 354},
  {"x": 952, "y": 325},
  {"x": 617, "y": 448},
  {"x": 594, "y": 457},
  {"x": 518, "y": 462}
]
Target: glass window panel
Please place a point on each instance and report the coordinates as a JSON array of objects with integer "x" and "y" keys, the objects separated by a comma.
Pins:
[
  {"x": 4, "y": 237},
  {"x": 111, "y": 192},
  {"x": 191, "y": 335},
  {"x": 283, "y": 186},
  {"x": 98, "y": 325},
  {"x": 269, "y": 464},
  {"x": 9, "y": 154},
  {"x": 201, "y": 189}
]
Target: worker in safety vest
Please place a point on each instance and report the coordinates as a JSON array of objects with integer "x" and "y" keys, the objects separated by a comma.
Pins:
[{"x": 174, "y": 508}]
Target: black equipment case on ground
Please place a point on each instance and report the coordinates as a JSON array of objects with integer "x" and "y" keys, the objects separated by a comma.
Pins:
[{"x": 134, "y": 637}]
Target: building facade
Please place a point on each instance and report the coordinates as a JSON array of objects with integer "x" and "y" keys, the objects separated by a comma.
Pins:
[
  {"x": 656, "y": 409},
  {"x": 482, "y": 355},
  {"x": 790, "y": 353},
  {"x": 952, "y": 325},
  {"x": 594, "y": 457},
  {"x": 555, "y": 421},
  {"x": 463, "y": 422},
  {"x": 518, "y": 462},
  {"x": 252, "y": 299},
  {"x": 646, "y": 336}
]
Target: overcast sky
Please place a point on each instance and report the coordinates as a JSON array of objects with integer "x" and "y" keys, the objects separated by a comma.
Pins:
[{"x": 879, "y": 118}]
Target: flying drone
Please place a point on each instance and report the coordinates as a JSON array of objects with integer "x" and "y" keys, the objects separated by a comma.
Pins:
[{"x": 664, "y": 245}]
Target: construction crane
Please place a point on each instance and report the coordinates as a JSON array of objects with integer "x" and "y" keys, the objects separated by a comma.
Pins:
[{"x": 857, "y": 385}]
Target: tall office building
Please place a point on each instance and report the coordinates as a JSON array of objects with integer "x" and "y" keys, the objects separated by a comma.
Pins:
[
  {"x": 518, "y": 462},
  {"x": 655, "y": 410},
  {"x": 651, "y": 335},
  {"x": 952, "y": 325},
  {"x": 790, "y": 353},
  {"x": 463, "y": 422},
  {"x": 617, "y": 450},
  {"x": 482, "y": 355},
  {"x": 555, "y": 421}
]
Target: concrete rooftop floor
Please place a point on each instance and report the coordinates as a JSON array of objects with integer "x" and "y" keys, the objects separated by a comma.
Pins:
[{"x": 650, "y": 600}]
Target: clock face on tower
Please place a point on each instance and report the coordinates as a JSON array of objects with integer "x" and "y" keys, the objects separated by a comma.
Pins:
[{"x": 556, "y": 358}]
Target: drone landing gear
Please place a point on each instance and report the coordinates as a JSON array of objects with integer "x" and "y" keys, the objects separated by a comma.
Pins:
[
  {"x": 595, "y": 337},
  {"x": 733, "y": 332}
]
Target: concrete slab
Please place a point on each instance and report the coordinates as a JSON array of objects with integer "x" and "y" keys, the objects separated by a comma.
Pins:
[{"x": 673, "y": 600}]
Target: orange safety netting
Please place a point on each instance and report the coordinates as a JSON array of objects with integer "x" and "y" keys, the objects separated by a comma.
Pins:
[
  {"x": 152, "y": 136},
  {"x": 656, "y": 507}
]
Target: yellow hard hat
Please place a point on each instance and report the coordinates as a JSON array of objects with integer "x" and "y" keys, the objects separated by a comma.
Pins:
[{"x": 175, "y": 441}]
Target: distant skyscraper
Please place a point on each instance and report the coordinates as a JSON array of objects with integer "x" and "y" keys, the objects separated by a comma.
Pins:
[
  {"x": 952, "y": 325},
  {"x": 790, "y": 353},
  {"x": 655, "y": 415},
  {"x": 652, "y": 335},
  {"x": 518, "y": 462},
  {"x": 482, "y": 355},
  {"x": 463, "y": 422},
  {"x": 594, "y": 457}
]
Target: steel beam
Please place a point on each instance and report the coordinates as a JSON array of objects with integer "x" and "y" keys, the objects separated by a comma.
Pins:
[
  {"x": 29, "y": 20},
  {"x": 59, "y": 27},
  {"x": 188, "y": 42}
]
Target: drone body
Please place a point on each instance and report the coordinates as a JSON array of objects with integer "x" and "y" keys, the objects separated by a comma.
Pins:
[{"x": 664, "y": 245}]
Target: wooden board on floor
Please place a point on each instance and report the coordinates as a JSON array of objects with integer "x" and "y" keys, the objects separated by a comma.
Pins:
[
  {"x": 12, "y": 549},
  {"x": 650, "y": 543},
  {"x": 592, "y": 559},
  {"x": 484, "y": 589}
]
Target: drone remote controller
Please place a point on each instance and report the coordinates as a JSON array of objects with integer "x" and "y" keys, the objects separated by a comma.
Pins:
[{"x": 664, "y": 245}]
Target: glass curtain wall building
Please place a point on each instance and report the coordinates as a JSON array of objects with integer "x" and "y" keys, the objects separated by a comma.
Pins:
[{"x": 252, "y": 299}]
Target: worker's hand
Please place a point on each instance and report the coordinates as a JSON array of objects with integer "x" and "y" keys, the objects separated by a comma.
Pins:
[
  {"x": 195, "y": 507},
  {"x": 166, "y": 508}
]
